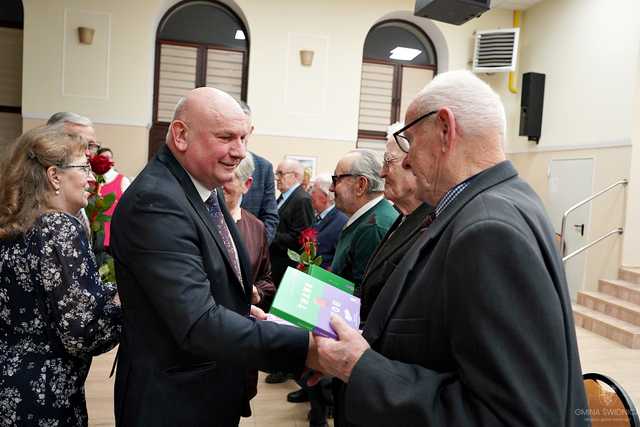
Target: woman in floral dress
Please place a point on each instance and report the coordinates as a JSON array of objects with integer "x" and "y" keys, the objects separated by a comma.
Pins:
[{"x": 55, "y": 313}]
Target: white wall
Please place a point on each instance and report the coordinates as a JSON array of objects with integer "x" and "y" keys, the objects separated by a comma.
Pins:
[
  {"x": 631, "y": 248},
  {"x": 587, "y": 49}
]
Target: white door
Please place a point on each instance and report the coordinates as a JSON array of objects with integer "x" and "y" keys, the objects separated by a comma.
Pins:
[{"x": 571, "y": 181}]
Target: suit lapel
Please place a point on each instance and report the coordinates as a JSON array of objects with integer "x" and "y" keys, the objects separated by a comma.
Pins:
[
  {"x": 291, "y": 197},
  {"x": 397, "y": 236},
  {"x": 166, "y": 157},
  {"x": 397, "y": 283},
  {"x": 322, "y": 224}
]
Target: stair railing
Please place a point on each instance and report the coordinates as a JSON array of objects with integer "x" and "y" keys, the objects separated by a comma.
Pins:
[{"x": 563, "y": 243}]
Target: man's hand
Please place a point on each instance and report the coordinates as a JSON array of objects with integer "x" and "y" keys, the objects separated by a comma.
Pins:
[
  {"x": 258, "y": 313},
  {"x": 255, "y": 296},
  {"x": 336, "y": 358}
]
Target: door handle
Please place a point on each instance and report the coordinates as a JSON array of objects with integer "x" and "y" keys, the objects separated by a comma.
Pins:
[{"x": 579, "y": 228}]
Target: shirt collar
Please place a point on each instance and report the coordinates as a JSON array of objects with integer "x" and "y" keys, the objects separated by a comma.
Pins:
[
  {"x": 325, "y": 212},
  {"x": 287, "y": 193},
  {"x": 110, "y": 175},
  {"x": 451, "y": 195},
  {"x": 203, "y": 191},
  {"x": 363, "y": 209}
]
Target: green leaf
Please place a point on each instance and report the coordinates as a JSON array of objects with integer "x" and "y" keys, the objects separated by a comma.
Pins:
[
  {"x": 318, "y": 261},
  {"x": 293, "y": 255},
  {"x": 109, "y": 198},
  {"x": 102, "y": 218}
]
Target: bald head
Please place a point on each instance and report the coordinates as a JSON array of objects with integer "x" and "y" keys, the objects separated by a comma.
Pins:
[
  {"x": 206, "y": 102},
  {"x": 207, "y": 135}
]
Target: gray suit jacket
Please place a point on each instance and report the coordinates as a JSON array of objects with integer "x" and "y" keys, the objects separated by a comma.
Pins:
[{"x": 474, "y": 327}]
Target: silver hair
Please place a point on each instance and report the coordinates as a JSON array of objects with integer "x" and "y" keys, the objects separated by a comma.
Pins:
[
  {"x": 323, "y": 182},
  {"x": 69, "y": 117},
  {"x": 366, "y": 164},
  {"x": 477, "y": 108},
  {"x": 393, "y": 128},
  {"x": 245, "y": 168}
]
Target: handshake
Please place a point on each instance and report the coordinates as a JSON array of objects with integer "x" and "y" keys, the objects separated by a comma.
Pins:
[{"x": 328, "y": 356}]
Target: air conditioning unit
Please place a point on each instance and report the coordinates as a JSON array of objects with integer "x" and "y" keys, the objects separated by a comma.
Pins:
[{"x": 496, "y": 51}]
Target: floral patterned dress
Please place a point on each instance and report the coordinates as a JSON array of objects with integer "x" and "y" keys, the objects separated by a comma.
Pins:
[{"x": 55, "y": 314}]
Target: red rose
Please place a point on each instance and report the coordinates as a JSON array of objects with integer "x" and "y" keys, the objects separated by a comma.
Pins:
[
  {"x": 100, "y": 164},
  {"x": 308, "y": 235}
]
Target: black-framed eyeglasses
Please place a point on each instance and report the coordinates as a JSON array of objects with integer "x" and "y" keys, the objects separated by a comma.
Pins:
[
  {"x": 336, "y": 178},
  {"x": 86, "y": 168},
  {"x": 278, "y": 174},
  {"x": 403, "y": 142},
  {"x": 387, "y": 159}
]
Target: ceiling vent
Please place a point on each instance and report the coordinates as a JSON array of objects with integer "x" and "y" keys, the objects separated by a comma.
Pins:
[{"x": 496, "y": 51}]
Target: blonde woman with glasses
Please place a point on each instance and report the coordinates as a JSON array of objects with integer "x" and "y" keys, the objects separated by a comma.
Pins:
[{"x": 55, "y": 313}]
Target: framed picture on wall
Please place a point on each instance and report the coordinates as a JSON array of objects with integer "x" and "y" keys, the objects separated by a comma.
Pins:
[{"x": 308, "y": 163}]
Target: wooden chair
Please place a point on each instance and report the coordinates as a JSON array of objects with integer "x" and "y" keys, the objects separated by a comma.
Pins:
[{"x": 609, "y": 404}]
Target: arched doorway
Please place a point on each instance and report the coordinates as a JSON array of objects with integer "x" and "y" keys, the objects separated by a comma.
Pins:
[
  {"x": 398, "y": 60},
  {"x": 198, "y": 43},
  {"x": 11, "y": 28}
]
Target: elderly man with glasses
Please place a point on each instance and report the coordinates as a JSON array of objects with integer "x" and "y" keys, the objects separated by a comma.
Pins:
[
  {"x": 358, "y": 189},
  {"x": 400, "y": 188},
  {"x": 474, "y": 326}
]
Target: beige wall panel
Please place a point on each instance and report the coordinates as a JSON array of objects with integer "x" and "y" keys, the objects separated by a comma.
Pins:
[
  {"x": 129, "y": 144},
  {"x": 607, "y": 212},
  {"x": 130, "y": 71},
  {"x": 86, "y": 67},
  {"x": 275, "y": 148},
  {"x": 588, "y": 51},
  {"x": 305, "y": 90},
  {"x": 10, "y": 66},
  {"x": 631, "y": 247}
]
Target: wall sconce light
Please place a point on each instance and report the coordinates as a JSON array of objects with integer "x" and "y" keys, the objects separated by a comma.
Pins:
[
  {"x": 306, "y": 57},
  {"x": 85, "y": 35}
]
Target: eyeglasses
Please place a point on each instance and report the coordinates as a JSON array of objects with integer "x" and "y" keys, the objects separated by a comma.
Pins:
[
  {"x": 403, "y": 142},
  {"x": 279, "y": 174},
  {"x": 336, "y": 178},
  {"x": 387, "y": 159},
  {"x": 86, "y": 168},
  {"x": 94, "y": 146}
]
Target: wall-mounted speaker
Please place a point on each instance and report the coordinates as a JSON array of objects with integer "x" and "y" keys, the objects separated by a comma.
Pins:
[
  {"x": 531, "y": 105},
  {"x": 455, "y": 12}
]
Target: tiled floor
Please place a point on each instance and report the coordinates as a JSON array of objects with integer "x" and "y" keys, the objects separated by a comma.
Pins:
[{"x": 271, "y": 409}]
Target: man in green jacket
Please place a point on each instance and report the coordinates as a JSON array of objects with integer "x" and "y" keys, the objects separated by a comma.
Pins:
[{"x": 359, "y": 189}]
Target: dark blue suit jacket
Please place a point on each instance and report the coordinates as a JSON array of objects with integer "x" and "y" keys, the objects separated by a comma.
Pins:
[
  {"x": 329, "y": 229},
  {"x": 260, "y": 200}
]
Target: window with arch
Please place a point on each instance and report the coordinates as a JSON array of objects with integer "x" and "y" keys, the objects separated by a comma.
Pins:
[
  {"x": 398, "y": 60},
  {"x": 199, "y": 43}
]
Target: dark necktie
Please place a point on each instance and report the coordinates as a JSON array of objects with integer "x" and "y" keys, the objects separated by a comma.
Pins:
[
  {"x": 430, "y": 218},
  {"x": 218, "y": 220}
]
